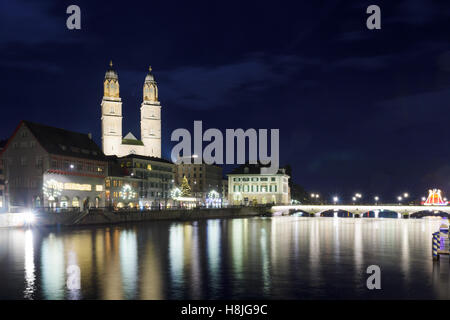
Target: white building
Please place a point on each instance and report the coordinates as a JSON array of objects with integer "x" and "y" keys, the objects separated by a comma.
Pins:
[
  {"x": 112, "y": 141},
  {"x": 247, "y": 185}
]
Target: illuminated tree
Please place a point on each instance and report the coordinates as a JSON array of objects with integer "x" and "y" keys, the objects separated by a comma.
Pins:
[{"x": 185, "y": 188}]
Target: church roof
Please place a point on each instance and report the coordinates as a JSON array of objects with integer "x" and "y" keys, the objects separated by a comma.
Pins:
[
  {"x": 63, "y": 142},
  {"x": 111, "y": 73},
  {"x": 130, "y": 139}
]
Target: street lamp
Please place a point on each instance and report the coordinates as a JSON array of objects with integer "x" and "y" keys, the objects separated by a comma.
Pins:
[
  {"x": 399, "y": 198},
  {"x": 335, "y": 199},
  {"x": 376, "y": 199},
  {"x": 405, "y": 195}
]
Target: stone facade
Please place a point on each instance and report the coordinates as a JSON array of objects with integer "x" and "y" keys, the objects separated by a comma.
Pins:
[
  {"x": 2, "y": 180},
  {"x": 202, "y": 178},
  {"x": 247, "y": 186},
  {"x": 113, "y": 142},
  {"x": 52, "y": 167},
  {"x": 150, "y": 179}
]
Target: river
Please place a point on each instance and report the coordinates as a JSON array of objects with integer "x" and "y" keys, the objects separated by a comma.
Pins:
[{"x": 247, "y": 258}]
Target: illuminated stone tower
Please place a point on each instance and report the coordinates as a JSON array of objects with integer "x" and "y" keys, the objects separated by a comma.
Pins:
[
  {"x": 151, "y": 117},
  {"x": 111, "y": 114}
]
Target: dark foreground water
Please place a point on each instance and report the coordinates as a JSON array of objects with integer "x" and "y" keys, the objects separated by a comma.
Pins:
[{"x": 264, "y": 258}]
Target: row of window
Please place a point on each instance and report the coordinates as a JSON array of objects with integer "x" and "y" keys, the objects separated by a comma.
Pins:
[
  {"x": 77, "y": 150},
  {"x": 254, "y": 188},
  {"x": 148, "y": 175},
  {"x": 75, "y": 166},
  {"x": 24, "y": 144},
  {"x": 147, "y": 166},
  {"x": 127, "y": 196},
  {"x": 119, "y": 183},
  {"x": 254, "y": 179}
]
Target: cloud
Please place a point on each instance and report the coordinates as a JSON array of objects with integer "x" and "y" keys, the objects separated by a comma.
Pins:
[{"x": 219, "y": 86}]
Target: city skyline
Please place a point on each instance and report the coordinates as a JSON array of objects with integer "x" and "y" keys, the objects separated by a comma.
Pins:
[{"x": 358, "y": 110}]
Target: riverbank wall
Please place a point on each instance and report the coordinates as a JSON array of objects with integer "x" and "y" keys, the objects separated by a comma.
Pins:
[{"x": 101, "y": 217}]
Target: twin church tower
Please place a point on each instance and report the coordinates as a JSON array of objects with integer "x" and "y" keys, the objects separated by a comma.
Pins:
[{"x": 112, "y": 141}]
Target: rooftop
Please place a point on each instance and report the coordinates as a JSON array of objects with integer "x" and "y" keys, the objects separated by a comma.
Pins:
[
  {"x": 66, "y": 143},
  {"x": 252, "y": 169}
]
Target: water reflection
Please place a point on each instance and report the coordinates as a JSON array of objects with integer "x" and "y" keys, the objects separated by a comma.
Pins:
[
  {"x": 213, "y": 253},
  {"x": 29, "y": 265},
  {"x": 176, "y": 259},
  {"x": 128, "y": 262},
  {"x": 283, "y": 257},
  {"x": 53, "y": 267}
]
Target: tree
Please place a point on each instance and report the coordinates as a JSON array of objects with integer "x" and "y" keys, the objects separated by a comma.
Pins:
[
  {"x": 185, "y": 188},
  {"x": 297, "y": 191}
]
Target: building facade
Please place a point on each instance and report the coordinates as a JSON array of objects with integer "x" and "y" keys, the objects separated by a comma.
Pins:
[
  {"x": 248, "y": 186},
  {"x": 202, "y": 178},
  {"x": 2, "y": 179},
  {"x": 113, "y": 143},
  {"x": 139, "y": 182},
  {"x": 51, "y": 167}
]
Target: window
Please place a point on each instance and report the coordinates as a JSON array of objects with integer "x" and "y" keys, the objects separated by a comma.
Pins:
[
  {"x": 23, "y": 161},
  {"x": 39, "y": 162},
  {"x": 273, "y": 179}
]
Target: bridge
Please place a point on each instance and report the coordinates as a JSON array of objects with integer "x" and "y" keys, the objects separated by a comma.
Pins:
[{"x": 362, "y": 210}]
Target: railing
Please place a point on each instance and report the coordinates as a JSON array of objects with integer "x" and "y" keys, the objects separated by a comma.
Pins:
[{"x": 58, "y": 209}]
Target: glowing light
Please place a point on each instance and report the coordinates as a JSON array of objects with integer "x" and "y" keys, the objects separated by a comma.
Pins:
[
  {"x": 175, "y": 193},
  {"x": 435, "y": 198},
  {"x": 29, "y": 218},
  {"x": 128, "y": 193},
  {"x": 52, "y": 189},
  {"x": 376, "y": 198},
  {"x": 77, "y": 186}
]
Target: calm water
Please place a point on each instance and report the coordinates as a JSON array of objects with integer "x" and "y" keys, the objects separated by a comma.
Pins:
[{"x": 266, "y": 258}]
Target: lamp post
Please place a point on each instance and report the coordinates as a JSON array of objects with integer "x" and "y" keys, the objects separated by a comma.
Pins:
[
  {"x": 335, "y": 199},
  {"x": 399, "y": 198},
  {"x": 376, "y": 200}
]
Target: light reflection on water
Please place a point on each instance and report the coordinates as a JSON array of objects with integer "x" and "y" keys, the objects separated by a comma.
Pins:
[{"x": 267, "y": 258}]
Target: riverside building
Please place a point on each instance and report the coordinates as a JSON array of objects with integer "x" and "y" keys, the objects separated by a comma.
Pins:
[
  {"x": 55, "y": 168},
  {"x": 248, "y": 186}
]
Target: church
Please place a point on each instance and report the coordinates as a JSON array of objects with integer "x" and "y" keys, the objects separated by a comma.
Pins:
[{"x": 113, "y": 142}]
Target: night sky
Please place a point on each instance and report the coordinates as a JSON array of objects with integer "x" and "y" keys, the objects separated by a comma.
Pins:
[{"x": 358, "y": 110}]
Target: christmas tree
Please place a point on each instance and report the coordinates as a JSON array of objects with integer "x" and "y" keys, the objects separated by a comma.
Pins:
[{"x": 185, "y": 188}]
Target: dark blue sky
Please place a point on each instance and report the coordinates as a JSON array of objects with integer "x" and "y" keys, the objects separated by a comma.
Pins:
[{"x": 358, "y": 110}]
